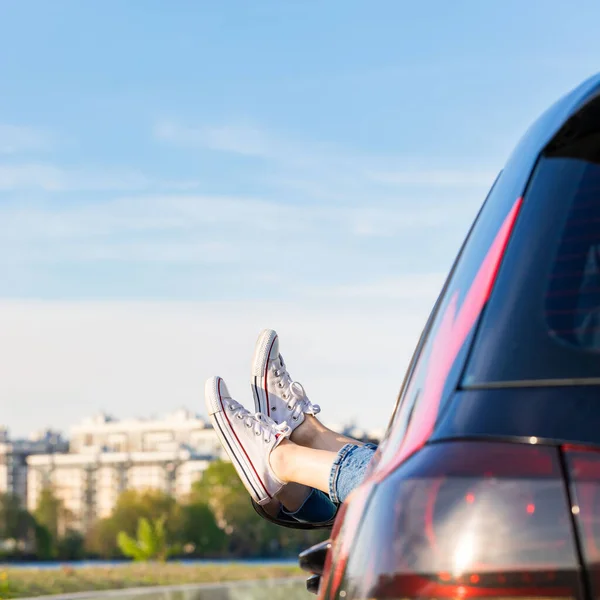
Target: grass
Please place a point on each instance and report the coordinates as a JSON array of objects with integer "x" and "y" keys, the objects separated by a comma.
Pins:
[{"x": 21, "y": 583}]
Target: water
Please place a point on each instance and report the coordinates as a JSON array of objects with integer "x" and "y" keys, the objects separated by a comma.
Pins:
[{"x": 114, "y": 563}]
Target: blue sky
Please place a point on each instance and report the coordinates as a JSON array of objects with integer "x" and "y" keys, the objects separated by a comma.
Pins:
[{"x": 182, "y": 174}]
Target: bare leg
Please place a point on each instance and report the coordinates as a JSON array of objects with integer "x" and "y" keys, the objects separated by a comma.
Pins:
[
  {"x": 308, "y": 466},
  {"x": 300, "y": 476},
  {"x": 291, "y": 496},
  {"x": 306, "y": 461},
  {"x": 311, "y": 433},
  {"x": 272, "y": 507}
]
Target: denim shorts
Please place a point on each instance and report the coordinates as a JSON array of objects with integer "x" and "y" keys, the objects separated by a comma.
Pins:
[{"x": 347, "y": 472}]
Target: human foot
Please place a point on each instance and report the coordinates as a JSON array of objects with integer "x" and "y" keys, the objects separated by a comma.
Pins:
[
  {"x": 248, "y": 440},
  {"x": 276, "y": 394}
]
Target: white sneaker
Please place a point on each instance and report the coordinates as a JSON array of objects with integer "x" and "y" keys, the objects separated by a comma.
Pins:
[
  {"x": 248, "y": 440},
  {"x": 276, "y": 394}
]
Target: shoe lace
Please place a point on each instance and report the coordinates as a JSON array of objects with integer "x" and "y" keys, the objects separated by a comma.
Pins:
[
  {"x": 293, "y": 392},
  {"x": 259, "y": 423}
]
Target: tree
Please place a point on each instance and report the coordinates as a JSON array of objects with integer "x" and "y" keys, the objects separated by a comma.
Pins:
[
  {"x": 151, "y": 542},
  {"x": 150, "y": 504},
  {"x": 100, "y": 539},
  {"x": 43, "y": 543},
  {"x": 71, "y": 546},
  {"x": 52, "y": 514},
  {"x": 15, "y": 522},
  {"x": 216, "y": 520},
  {"x": 247, "y": 533},
  {"x": 198, "y": 530},
  {"x": 221, "y": 488},
  {"x": 131, "y": 506}
]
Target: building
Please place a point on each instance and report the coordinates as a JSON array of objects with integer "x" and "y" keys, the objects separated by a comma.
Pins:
[
  {"x": 181, "y": 428},
  {"x": 108, "y": 456},
  {"x": 14, "y": 455}
]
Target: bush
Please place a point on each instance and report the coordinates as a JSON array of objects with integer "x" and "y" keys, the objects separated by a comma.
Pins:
[
  {"x": 71, "y": 546},
  {"x": 151, "y": 542}
]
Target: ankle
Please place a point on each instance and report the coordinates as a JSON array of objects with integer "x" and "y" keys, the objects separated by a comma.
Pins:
[
  {"x": 279, "y": 461},
  {"x": 306, "y": 432}
]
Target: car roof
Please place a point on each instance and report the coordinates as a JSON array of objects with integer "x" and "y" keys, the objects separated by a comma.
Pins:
[{"x": 554, "y": 121}]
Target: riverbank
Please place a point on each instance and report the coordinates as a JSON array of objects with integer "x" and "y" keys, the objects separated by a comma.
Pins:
[{"x": 23, "y": 583}]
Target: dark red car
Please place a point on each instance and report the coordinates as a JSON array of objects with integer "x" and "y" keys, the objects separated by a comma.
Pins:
[{"x": 488, "y": 481}]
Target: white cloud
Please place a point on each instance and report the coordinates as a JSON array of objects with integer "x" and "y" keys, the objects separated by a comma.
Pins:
[
  {"x": 180, "y": 228},
  {"x": 52, "y": 178},
  {"x": 434, "y": 177},
  {"x": 246, "y": 140},
  {"x": 15, "y": 139},
  {"x": 307, "y": 170},
  {"x": 411, "y": 286},
  {"x": 188, "y": 252},
  {"x": 238, "y": 139},
  {"x": 63, "y": 361},
  {"x": 45, "y": 177},
  {"x": 348, "y": 343},
  {"x": 249, "y": 139}
]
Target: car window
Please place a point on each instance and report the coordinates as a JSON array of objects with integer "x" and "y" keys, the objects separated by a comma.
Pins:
[
  {"x": 572, "y": 302},
  {"x": 442, "y": 350},
  {"x": 542, "y": 323}
]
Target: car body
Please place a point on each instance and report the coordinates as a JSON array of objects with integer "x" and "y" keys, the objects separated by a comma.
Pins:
[{"x": 487, "y": 483}]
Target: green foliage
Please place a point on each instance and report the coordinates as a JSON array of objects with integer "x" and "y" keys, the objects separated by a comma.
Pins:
[
  {"x": 151, "y": 504},
  {"x": 190, "y": 526},
  {"x": 52, "y": 514},
  {"x": 71, "y": 546},
  {"x": 132, "y": 506},
  {"x": 43, "y": 543},
  {"x": 100, "y": 539},
  {"x": 198, "y": 531},
  {"x": 47, "y": 533},
  {"x": 151, "y": 542},
  {"x": 4, "y": 585},
  {"x": 217, "y": 521},
  {"x": 30, "y": 583},
  {"x": 15, "y": 522},
  {"x": 247, "y": 534}
]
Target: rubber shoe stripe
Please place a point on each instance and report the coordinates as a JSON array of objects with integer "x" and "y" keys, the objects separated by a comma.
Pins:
[
  {"x": 266, "y": 372},
  {"x": 240, "y": 445},
  {"x": 232, "y": 452}
]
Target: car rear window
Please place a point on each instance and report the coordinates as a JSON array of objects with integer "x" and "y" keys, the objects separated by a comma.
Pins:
[
  {"x": 572, "y": 301},
  {"x": 542, "y": 323}
]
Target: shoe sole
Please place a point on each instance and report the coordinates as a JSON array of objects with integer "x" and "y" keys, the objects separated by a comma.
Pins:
[
  {"x": 260, "y": 362},
  {"x": 231, "y": 443}
]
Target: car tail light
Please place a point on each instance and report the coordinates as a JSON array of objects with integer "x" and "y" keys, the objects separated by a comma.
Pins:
[
  {"x": 467, "y": 520},
  {"x": 584, "y": 473}
]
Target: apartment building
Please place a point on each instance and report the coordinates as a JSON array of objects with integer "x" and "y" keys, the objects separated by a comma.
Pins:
[
  {"x": 14, "y": 455},
  {"x": 108, "y": 456}
]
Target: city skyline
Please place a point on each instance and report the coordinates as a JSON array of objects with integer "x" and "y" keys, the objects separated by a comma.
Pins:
[
  {"x": 103, "y": 456},
  {"x": 348, "y": 426},
  {"x": 174, "y": 179}
]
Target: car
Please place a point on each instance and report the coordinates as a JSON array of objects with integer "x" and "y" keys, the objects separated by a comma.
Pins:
[{"x": 487, "y": 483}]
